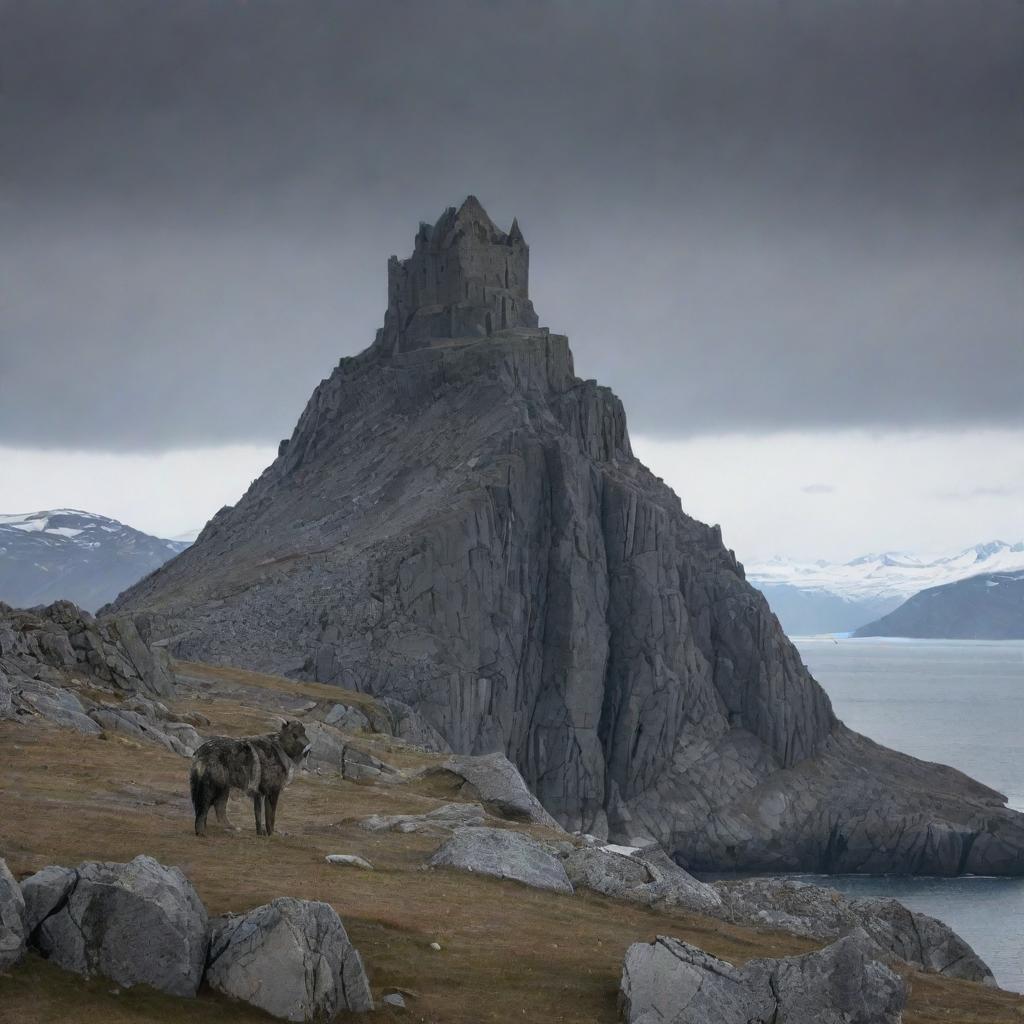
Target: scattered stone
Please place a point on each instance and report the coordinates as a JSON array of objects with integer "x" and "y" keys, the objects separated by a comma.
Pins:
[
  {"x": 822, "y": 913},
  {"x": 503, "y": 854},
  {"x": 495, "y": 781},
  {"x": 13, "y": 930},
  {"x": 436, "y": 947},
  {"x": 349, "y": 860},
  {"x": 647, "y": 876},
  {"x": 670, "y": 980},
  {"x": 291, "y": 958},
  {"x": 441, "y": 821},
  {"x": 135, "y": 923},
  {"x": 394, "y": 999}
]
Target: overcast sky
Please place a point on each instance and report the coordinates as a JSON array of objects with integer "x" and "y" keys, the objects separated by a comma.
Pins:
[{"x": 794, "y": 229}]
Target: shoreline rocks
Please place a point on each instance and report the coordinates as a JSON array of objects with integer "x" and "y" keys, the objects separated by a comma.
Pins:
[
  {"x": 670, "y": 980},
  {"x": 821, "y": 913}
]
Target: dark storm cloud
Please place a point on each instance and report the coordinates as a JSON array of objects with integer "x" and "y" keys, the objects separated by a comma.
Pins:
[{"x": 747, "y": 214}]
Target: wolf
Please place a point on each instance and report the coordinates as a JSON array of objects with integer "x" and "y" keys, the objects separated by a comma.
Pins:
[{"x": 258, "y": 765}]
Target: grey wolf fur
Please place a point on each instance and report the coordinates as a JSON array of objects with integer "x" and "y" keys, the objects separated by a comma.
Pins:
[{"x": 260, "y": 766}]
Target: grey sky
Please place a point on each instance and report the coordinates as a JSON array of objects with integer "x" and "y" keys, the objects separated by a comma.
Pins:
[{"x": 748, "y": 214}]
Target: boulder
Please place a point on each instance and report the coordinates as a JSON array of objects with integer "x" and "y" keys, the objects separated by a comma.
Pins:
[
  {"x": 647, "y": 876},
  {"x": 32, "y": 697},
  {"x": 670, "y": 980},
  {"x": 135, "y": 923},
  {"x": 347, "y": 718},
  {"x": 409, "y": 725},
  {"x": 822, "y": 913},
  {"x": 441, "y": 821},
  {"x": 291, "y": 958},
  {"x": 44, "y": 892},
  {"x": 503, "y": 854},
  {"x": 177, "y": 737},
  {"x": 331, "y": 751},
  {"x": 13, "y": 929},
  {"x": 495, "y": 781}
]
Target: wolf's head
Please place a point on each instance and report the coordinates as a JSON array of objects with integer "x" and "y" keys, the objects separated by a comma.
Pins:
[{"x": 294, "y": 740}]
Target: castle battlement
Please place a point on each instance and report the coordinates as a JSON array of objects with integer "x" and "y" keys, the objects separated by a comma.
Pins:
[{"x": 465, "y": 279}]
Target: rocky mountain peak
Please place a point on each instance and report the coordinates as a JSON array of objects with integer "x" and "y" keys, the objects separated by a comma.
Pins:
[
  {"x": 465, "y": 279},
  {"x": 458, "y": 522}
]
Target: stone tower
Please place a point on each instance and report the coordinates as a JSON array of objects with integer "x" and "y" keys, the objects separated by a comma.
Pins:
[{"x": 465, "y": 279}]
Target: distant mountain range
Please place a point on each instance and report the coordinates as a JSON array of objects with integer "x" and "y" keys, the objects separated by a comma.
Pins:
[
  {"x": 67, "y": 553},
  {"x": 831, "y": 597},
  {"x": 985, "y": 607}
]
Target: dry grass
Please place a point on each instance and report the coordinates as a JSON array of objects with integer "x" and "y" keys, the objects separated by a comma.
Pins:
[{"x": 509, "y": 953}]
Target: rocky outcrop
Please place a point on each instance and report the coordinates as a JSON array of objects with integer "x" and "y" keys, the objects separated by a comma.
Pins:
[
  {"x": 45, "y": 643},
  {"x": 820, "y": 913},
  {"x": 670, "y": 980},
  {"x": 138, "y": 924},
  {"x": 13, "y": 924},
  {"x": 459, "y": 522},
  {"x": 291, "y": 958},
  {"x": 495, "y": 782},
  {"x": 332, "y": 751},
  {"x": 647, "y": 876},
  {"x": 503, "y": 854}
]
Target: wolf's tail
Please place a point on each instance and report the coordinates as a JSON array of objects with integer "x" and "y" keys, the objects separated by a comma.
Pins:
[{"x": 201, "y": 788}]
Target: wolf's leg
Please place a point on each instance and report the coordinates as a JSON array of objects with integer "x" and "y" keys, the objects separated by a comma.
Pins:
[
  {"x": 272, "y": 798},
  {"x": 220, "y": 806},
  {"x": 202, "y": 797},
  {"x": 257, "y": 806}
]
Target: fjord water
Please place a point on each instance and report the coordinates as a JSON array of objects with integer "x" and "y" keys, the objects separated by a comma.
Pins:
[{"x": 954, "y": 701}]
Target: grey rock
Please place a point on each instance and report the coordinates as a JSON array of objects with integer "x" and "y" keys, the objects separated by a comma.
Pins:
[
  {"x": 821, "y": 913},
  {"x": 670, "y": 980},
  {"x": 291, "y": 958},
  {"x": 13, "y": 926},
  {"x": 32, "y": 697},
  {"x": 395, "y": 999},
  {"x": 649, "y": 877},
  {"x": 347, "y": 718},
  {"x": 438, "y": 822},
  {"x": 135, "y": 725},
  {"x": 459, "y": 522},
  {"x": 135, "y": 923},
  {"x": 496, "y": 782},
  {"x": 45, "y": 892},
  {"x": 331, "y": 750},
  {"x": 407, "y": 724},
  {"x": 350, "y": 860},
  {"x": 503, "y": 854}
]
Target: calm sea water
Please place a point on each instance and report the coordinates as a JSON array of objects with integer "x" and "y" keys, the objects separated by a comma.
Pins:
[{"x": 960, "y": 703}]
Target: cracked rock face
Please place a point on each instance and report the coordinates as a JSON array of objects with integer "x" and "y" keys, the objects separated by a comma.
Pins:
[
  {"x": 138, "y": 923},
  {"x": 458, "y": 522},
  {"x": 649, "y": 877},
  {"x": 291, "y": 958},
  {"x": 821, "y": 913},
  {"x": 503, "y": 854},
  {"x": 670, "y": 980},
  {"x": 13, "y": 925}
]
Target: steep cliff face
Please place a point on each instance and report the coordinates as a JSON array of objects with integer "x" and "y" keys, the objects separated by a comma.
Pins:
[{"x": 461, "y": 524}]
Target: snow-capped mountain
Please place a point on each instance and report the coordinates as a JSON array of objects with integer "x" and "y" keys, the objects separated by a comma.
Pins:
[
  {"x": 830, "y": 597},
  {"x": 67, "y": 553}
]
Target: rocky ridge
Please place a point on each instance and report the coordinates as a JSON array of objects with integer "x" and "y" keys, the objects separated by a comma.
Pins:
[{"x": 458, "y": 522}]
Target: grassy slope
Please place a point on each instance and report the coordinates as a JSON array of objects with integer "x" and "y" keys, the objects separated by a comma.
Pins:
[{"x": 508, "y": 952}]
